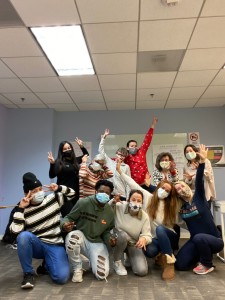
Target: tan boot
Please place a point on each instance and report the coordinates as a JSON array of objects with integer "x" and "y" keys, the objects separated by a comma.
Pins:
[
  {"x": 159, "y": 260},
  {"x": 168, "y": 267}
]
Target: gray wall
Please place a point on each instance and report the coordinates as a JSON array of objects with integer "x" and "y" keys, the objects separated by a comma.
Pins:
[{"x": 29, "y": 134}]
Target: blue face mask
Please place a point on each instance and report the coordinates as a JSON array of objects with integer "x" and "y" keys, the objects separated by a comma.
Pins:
[
  {"x": 38, "y": 197},
  {"x": 102, "y": 198},
  {"x": 133, "y": 151}
]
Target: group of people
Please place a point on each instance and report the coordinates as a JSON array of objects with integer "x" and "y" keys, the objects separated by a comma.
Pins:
[{"x": 109, "y": 210}]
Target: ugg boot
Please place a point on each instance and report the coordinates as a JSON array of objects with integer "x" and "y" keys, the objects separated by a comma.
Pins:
[
  {"x": 168, "y": 267},
  {"x": 159, "y": 260}
]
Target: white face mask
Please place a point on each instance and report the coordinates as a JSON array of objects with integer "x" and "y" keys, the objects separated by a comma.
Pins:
[
  {"x": 95, "y": 166},
  {"x": 38, "y": 197},
  {"x": 164, "y": 164},
  {"x": 190, "y": 155},
  {"x": 162, "y": 194}
]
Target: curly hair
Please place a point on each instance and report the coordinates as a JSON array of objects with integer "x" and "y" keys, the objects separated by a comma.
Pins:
[{"x": 159, "y": 157}]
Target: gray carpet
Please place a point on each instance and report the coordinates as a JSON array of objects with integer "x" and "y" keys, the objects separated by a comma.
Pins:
[{"x": 185, "y": 286}]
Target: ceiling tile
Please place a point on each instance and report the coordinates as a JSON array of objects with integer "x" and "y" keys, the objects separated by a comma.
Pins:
[
  {"x": 220, "y": 78},
  {"x": 211, "y": 102},
  {"x": 203, "y": 59},
  {"x": 151, "y": 104},
  {"x": 189, "y": 93},
  {"x": 208, "y": 33},
  {"x": 165, "y": 34},
  {"x": 121, "y": 105},
  {"x": 101, "y": 11},
  {"x": 31, "y": 106},
  {"x": 152, "y": 94},
  {"x": 112, "y": 37},
  {"x": 213, "y": 8},
  {"x": 44, "y": 84},
  {"x": 10, "y": 106},
  {"x": 214, "y": 92},
  {"x": 5, "y": 72},
  {"x": 117, "y": 82},
  {"x": 30, "y": 66},
  {"x": 23, "y": 98},
  {"x": 80, "y": 83},
  {"x": 180, "y": 103},
  {"x": 91, "y": 106},
  {"x": 12, "y": 86},
  {"x": 194, "y": 78},
  {"x": 115, "y": 63},
  {"x": 47, "y": 12},
  {"x": 89, "y": 96},
  {"x": 63, "y": 107},
  {"x": 13, "y": 41},
  {"x": 3, "y": 100},
  {"x": 155, "y": 9},
  {"x": 155, "y": 80},
  {"x": 119, "y": 95},
  {"x": 57, "y": 98}
]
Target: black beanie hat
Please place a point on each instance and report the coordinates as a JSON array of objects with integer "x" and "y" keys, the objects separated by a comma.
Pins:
[{"x": 30, "y": 182}]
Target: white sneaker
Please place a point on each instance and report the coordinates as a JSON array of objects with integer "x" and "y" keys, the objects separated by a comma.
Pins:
[
  {"x": 78, "y": 276},
  {"x": 119, "y": 268}
]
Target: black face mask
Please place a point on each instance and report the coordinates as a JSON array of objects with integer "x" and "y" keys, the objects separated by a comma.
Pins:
[{"x": 67, "y": 154}]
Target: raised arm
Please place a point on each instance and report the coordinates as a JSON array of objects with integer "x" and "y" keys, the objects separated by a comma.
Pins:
[
  {"x": 148, "y": 137},
  {"x": 82, "y": 148}
]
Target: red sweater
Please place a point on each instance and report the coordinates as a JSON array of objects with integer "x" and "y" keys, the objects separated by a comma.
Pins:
[{"x": 137, "y": 163}]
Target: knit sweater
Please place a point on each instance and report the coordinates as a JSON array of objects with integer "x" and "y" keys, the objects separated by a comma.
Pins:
[
  {"x": 146, "y": 201},
  {"x": 159, "y": 176},
  {"x": 138, "y": 164},
  {"x": 43, "y": 220},
  {"x": 120, "y": 186},
  {"x": 197, "y": 214},
  {"x": 88, "y": 179},
  {"x": 134, "y": 226},
  {"x": 93, "y": 220}
]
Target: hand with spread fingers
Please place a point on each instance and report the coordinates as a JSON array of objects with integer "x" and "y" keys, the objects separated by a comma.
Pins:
[
  {"x": 203, "y": 151},
  {"x": 51, "y": 158},
  {"x": 26, "y": 200},
  {"x": 79, "y": 142},
  {"x": 52, "y": 187}
]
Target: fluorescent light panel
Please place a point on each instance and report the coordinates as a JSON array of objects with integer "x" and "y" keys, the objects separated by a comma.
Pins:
[{"x": 66, "y": 49}]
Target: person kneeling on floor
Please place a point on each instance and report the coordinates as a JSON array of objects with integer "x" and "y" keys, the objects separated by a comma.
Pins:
[{"x": 36, "y": 221}]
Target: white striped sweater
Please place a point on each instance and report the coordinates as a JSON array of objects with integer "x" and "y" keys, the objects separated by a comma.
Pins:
[{"x": 43, "y": 220}]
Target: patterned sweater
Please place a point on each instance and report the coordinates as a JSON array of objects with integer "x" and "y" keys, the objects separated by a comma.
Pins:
[
  {"x": 88, "y": 179},
  {"x": 43, "y": 220},
  {"x": 137, "y": 162}
]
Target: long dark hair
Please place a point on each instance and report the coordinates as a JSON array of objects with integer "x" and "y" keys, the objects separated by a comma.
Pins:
[
  {"x": 60, "y": 160},
  {"x": 195, "y": 149}
]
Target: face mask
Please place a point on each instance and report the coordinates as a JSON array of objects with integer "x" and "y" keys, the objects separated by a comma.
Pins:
[
  {"x": 102, "y": 198},
  {"x": 164, "y": 164},
  {"x": 132, "y": 151},
  {"x": 162, "y": 194},
  {"x": 190, "y": 155},
  {"x": 38, "y": 197},
  {"x": 67, "y": 153},
  {"x": 95, "y": 166},
  {"x": 135, "y": 207},
  {"x": 185, "y": 192}
]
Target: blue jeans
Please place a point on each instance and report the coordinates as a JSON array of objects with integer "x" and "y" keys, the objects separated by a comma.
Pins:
[
  {"x": 97, "y": 253},
  {"x": 165, "y": 242},
  {"x": 200, "y": 248},
  {"x": 56, "y": 261}
]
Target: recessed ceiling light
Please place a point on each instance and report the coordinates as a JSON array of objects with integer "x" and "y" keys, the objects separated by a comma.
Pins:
[{"x": 65, "y": 48}]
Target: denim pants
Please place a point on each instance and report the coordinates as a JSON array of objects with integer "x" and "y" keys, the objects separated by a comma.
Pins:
[
  {"x": 56, "y": 261},
  {"x": 165, "y": 242},
  {"x": 136, "y": 256},
  {"x": 200, "y": 248},
  {"x": 97, "y": 253}
]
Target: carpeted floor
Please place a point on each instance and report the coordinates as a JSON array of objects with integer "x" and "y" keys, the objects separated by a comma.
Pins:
[{"x": 185, "y": 286}]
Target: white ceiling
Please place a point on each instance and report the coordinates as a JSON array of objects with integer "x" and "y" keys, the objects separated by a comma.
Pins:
[{"x": 191, "y": 35}]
